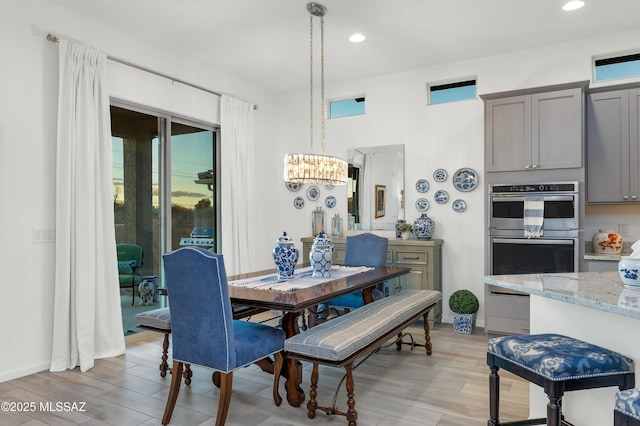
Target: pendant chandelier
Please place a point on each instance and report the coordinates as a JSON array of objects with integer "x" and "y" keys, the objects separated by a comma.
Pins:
[{"x": 315, "y": 168}]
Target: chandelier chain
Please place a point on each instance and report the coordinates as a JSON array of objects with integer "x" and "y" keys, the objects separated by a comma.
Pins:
[
  {"x": 322, "y": 83},
  {"x": 311, "y": 83}
]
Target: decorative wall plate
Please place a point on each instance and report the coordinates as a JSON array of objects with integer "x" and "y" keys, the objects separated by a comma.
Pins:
[
  {"x": 298, "y": 202},
  {"x": 465, "y": 179},
  {"x": 441, "y": 196},
  {"x": 313, "y": 193},
  {"x": 440, "y": 175},
  {"x": 330, "y": 201},
  {"x": 422, "y": 185},
  {"x": 422, "y": 204},
  {"x": 459, "y": 206},
  {"x": 329, "y": 187},
  {"x": 293, "y": 186}
]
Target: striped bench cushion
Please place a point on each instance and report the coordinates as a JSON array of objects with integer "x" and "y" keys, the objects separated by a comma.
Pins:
[
  {"x": 343, "y": 336},
  {"x": 157, "y": 318},
  {"x": 628, "y": 403}
]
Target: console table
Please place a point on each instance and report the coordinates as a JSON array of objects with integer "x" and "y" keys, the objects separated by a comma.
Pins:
[{"x": 424, "y": 257}]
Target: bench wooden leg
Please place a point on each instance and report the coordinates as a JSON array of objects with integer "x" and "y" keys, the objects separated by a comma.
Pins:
[
  {"x": 494, "y": 396},
  {"x": 352, "y": 414},
  {"x": 427, "y": 333},
  {"x": 312, "y": 405}
]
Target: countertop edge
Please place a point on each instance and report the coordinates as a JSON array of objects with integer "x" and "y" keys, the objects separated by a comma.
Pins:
[{"x": 575, "y": 300}]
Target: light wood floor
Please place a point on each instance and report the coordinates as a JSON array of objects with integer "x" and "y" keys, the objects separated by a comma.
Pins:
[{"x": 449, "y": 388}]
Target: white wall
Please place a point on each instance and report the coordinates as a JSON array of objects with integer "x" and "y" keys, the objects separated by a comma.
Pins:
[{"x": 446, "y": 136}]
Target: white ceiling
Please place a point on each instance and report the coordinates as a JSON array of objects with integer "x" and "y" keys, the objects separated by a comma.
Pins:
[{"x": 267, "y": 41}]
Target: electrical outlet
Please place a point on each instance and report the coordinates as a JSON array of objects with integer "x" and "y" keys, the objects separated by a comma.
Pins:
[
  {"x": 623, "y": 229},
  {"x": 43, "y": 235}
]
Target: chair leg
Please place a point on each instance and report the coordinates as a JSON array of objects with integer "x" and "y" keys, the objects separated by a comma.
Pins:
[
  {"x": 494, "y": 396},
  {"x": 312, "y": 405},
  {"x": 352, "y": 414},
  {"x": 176, "y": 379},
  {"x": 278, "y": 361},
  {"x": 226, "y": 384},
  {"x": 187, "y": 374}
]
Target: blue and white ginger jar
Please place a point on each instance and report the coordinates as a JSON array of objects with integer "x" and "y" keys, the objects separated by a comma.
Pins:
[
  {"x": 285, "y": 255},
  {"x": 321, "y": 256},
  {"x": 423, "y": 227}
]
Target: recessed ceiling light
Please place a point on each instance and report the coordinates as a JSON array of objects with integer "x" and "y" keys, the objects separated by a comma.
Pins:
[
  {"x": 573, "y": 5},
  {"x": 357, "y": 38}
]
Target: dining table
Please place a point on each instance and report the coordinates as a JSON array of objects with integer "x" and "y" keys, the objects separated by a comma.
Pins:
[{"x": 264, "y": 290}]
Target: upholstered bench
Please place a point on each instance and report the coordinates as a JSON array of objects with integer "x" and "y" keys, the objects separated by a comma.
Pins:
[
  {"x": 627, "y": 408},
  {"x": 344, "y": 339},
  {"x": 556, "y": 363}
]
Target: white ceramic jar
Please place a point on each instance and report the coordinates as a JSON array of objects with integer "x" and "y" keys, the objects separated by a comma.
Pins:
[{"x": 607, "y": 241}]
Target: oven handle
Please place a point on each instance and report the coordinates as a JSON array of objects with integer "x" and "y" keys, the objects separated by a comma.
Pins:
[
  {"x": 523, "y": 198},
  {"x": 556, "y": 242}
]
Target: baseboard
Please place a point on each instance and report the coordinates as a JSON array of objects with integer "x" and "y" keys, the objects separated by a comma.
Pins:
[{"x": 25, "y": 371}]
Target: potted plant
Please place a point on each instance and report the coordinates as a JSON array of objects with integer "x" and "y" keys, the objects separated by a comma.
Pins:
[
  {"x": 464, "y": 305},
  {"x": 405, "y": 229}
]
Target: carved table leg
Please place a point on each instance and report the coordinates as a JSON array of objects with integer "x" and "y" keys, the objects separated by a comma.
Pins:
[{"x": 293, "y": 368}]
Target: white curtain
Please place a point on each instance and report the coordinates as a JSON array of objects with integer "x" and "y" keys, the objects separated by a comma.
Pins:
[
  {"x": 87, "y": 320},
  {"x": 237, "y": 148}
]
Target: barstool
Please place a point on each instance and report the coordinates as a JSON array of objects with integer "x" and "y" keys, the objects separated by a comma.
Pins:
[
  {"x": 627, "y": 408},
  {"x": 556, "y": 363}
]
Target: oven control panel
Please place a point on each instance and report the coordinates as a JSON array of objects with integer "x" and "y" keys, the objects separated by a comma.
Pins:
[{"x": 535, "y": 187}]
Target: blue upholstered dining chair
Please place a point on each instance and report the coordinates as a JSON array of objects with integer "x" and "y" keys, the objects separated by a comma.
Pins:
[
  {"x": 203, "y": 330},
  {"x": 361, "y": 250}
]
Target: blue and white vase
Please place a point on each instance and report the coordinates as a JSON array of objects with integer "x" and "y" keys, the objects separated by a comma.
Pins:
[
  {"x": 321, "y": 256},
  {"x": 285, "y": 255},
  {"x": 423, "y": 227}
]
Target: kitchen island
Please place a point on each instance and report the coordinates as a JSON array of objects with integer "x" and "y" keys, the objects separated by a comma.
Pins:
[{"x": 591, "y": 306}]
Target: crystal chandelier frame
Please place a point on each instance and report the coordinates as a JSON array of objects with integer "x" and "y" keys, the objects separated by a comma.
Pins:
[{"x": 315, "y": 168}]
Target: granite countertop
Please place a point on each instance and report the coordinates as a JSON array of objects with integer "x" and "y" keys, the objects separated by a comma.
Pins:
[{"x": 602, "y": 291}]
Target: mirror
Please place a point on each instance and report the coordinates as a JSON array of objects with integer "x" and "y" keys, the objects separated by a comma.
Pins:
[{"x": 375, "y": 191}]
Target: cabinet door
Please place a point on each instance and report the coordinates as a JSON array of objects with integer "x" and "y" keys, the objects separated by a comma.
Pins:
[
  {"x": 556, "y": 129},
  {"x": 634, "y": 144},
  {"x": 508, "y": 133},
  {"x": 608, "y": 147}
]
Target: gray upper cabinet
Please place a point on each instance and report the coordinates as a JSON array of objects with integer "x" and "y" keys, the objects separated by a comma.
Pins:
[
  {"x": 612, "y": 146},
  {"x": 539, "y": 130}
]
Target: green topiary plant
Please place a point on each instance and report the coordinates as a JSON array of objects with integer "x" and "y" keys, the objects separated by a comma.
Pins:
[
  {"x": 405, "y": 227},
  {"x": 464, "y": 302}
]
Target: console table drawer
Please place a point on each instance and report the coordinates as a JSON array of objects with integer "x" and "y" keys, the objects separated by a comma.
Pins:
[{"x": 410, "y": 257}]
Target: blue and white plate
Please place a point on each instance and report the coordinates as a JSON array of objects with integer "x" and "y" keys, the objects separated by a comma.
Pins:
[
  {"x": 465, "y": 179},
  {"x": 440, "y": 175},
  {"x": 441, "y": 196},
  {"x": 422, "y": 204},
  {"x": 298, "y": 202},
  {"x": 422, "y": 185},
  {"x": 330, "y": 201},
  {"x": 293, "y": 186},
  {"x": 459, "y": 206},
  {"x": 313, "y": 193}
]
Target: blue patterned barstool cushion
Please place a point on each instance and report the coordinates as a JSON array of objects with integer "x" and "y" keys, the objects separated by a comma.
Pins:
[
  {"x": 558, "y": 358},
  {"x": 628, "y": 403}
]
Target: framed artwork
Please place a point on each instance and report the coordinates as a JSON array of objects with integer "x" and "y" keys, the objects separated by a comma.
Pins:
[{"x": 381, "y": 200}]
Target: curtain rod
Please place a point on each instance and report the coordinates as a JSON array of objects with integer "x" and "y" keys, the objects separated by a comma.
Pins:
[{"x": 53, "y": 39}]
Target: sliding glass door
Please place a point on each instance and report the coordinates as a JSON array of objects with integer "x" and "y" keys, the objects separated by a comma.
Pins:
[{"x": 164, "y": 186}]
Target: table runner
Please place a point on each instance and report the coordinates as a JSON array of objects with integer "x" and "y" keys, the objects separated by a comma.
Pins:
[{"x": 302, "y": 278}]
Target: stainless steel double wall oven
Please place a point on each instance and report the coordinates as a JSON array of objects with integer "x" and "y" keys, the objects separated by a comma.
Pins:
[{"x": 510, "y": 252}]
